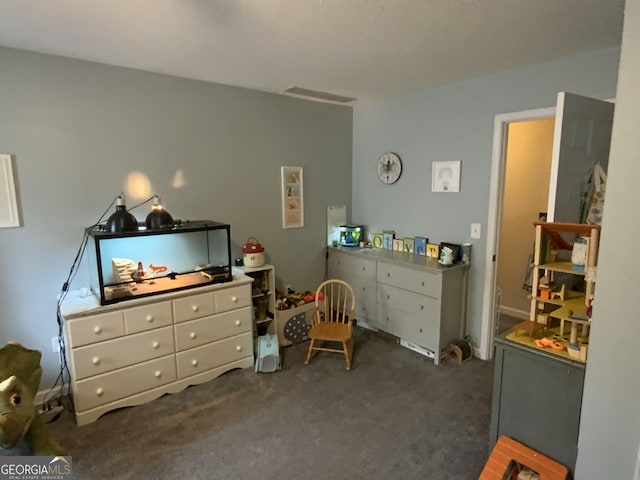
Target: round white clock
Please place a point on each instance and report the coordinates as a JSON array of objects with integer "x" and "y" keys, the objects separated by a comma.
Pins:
[{"x": 389, "y": 168}]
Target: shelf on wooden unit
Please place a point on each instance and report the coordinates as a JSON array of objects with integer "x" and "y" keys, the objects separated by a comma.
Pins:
[{"x": 564, "y": 267}]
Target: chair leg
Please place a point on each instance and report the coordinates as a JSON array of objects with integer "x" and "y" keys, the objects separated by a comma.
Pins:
[
  {"x": 348, "y": 352},
  {"x": 308, "y": 359}
]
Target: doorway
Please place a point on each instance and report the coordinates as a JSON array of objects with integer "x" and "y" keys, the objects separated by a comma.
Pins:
[
  {"x": 525, "y": 195},
  {"x": 498, "y": 174}
]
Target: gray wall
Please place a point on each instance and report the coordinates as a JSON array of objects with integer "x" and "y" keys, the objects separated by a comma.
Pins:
[
  {"x": 610, "y": 425},
  {"x": 78, "y": 128},
  {"x": 455, "y": 122}
]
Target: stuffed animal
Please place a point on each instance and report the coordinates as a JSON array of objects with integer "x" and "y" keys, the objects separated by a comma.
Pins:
[{"x": 20, "y": 374}]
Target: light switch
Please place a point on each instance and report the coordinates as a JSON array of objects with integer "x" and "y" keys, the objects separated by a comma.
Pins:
[{"x": 475, "y": 230}]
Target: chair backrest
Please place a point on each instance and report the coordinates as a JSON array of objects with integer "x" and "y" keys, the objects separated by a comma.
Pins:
[{"x": 335, "y": 302}]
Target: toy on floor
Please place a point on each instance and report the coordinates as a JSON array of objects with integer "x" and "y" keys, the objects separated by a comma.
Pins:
[{"x": 20, "y": 374}]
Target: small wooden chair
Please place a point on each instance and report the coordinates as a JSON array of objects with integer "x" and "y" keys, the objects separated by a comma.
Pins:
[{"x": 332, "y": 319}]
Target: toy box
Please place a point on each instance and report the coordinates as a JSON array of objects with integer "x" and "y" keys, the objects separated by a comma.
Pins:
[{"x": 292, "y": 325}]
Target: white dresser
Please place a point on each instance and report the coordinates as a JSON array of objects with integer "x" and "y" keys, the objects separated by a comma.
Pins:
[
  {"x": 407, "y": 295},
  {"x": 133, "y": 352}
]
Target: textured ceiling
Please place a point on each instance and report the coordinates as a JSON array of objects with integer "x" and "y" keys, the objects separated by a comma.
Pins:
[{"x": 355, "y": 48}]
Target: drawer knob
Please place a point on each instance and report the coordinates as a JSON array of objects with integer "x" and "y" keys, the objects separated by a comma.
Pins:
[
  {"x": 149, "y": 318},
  {"x": 195, "y": 308},
  {"x": 364, "y": 268},
  {"x": 194, "y": 362},
  {"x": 388, "y": 274},
  {"x": 238, "y": 322},
  {"x": 420, "y": 330},
  {"x": 100, "y": 392},
  {"x": 423, "y": 283},
  {"x": 234, "y": 299},
  {"x": 364, "y": 288},
  {"x": 156, "y": 345},
  {"x": 388, "y": 297},
  {"x": 193, "y": 335},
  {"x": 97, "y": 330},
  {"x": 96, "y": 360},
  {"x": 421, "y": 307},
  {"x": 238, "y": 348},
  {"x": 158, "y": 373}
]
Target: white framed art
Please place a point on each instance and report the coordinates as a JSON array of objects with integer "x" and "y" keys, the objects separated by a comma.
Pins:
[
  {"x": 292, "y": 197},
  {"x": 9, "y": 215},
  {"x": 445, "y": 176}
]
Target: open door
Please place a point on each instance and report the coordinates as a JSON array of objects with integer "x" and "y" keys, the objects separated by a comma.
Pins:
[{"x": 582, "y": 138}]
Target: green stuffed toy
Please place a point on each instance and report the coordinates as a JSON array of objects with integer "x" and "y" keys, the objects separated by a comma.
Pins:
[{"x": 20, "y": 374}]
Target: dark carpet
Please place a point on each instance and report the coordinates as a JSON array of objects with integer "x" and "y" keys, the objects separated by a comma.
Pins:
[{"x": 393, "y": 416}]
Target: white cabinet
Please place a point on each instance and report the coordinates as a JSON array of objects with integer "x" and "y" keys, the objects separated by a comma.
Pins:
[
  {"x": 126, "y": 355},
  {"x": 407, "y": 295}
]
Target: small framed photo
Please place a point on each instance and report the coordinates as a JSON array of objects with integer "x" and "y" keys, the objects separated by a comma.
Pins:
[
  {"x": 387, "y": 239},
  {"x": 377, "y": 240},
  {"x": 445, "y": 176},
  {"x": 292, "y": 199},
  {"x": 408, "y": 245},
  {"x": 433, "y": 250},
  {"x": 398, "y": 244},
  {"x": 420, "y": 245}
]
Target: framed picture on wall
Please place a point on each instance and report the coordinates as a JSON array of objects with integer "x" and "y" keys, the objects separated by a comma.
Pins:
[
  {"x": 292, "y": 197},
  {"x": 445, "y": 176},
  {"x": 9, "y": 215}
]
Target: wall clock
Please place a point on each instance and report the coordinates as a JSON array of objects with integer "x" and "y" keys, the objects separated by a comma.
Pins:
[{"x": 389, "y": 168}]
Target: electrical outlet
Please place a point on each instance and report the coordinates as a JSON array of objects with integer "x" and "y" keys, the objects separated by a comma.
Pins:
[
  {"x": 55, "y": 345},
  {"x": 475, "y": 230}
]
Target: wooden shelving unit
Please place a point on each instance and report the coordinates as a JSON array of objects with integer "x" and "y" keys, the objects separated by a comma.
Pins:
[
  {"x": 553, "y": 245},
  {"x": 263, "y": 297}
]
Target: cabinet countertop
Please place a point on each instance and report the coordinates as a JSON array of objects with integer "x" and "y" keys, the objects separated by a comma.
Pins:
[
  {"x": 392, "y": 256},
  {"x": 503, "y": 340},
  {"x": 76, "y": 304}
]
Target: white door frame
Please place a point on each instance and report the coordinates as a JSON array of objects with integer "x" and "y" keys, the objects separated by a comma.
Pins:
[{"x": 496, "y": 190}]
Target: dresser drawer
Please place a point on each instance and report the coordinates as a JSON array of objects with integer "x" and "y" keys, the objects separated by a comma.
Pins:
[
  {"x": 112, "y": 386},
  {"x": 366, "y": 311},
  {"x": 351, "y": 265},
  {"x": 421, "y": 330},
  {"x": 232, "y": 298},
  {"x": 422, "y": 282},
  {"x": 96, "y": 328},
  {"x": 113, "y": 354},
  {"x": 193, "y": 306},
  {"x": 409, "y": 302},
  {"x": 147, "y": 317},
  {"x": 212, "y": 355},
  {"x": 209, "y": 329}
]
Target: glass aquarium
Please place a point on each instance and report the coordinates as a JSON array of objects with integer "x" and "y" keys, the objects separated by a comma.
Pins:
[{"x": 131, "y": 265}]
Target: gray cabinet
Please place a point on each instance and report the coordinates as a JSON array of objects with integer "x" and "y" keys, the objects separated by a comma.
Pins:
[
  {"x": 410, "y": 296},
  {"x": 537, "y": 399}
]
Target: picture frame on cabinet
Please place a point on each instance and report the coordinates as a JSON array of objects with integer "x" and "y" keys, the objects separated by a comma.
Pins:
[
  {"x": 433, "y": 250},
  {"x": 292, "y": 197},
  {"x": 420, "y": 246},
  {"x": 387, "y": 238},
  {"x": 407, "y": 245},
  {"x": 377, "y": 240},
  {"x": 9, "y": 212}
]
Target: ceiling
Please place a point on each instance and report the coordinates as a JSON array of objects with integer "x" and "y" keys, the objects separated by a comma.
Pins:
[{"x": 355, "y": 48}]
